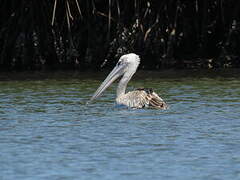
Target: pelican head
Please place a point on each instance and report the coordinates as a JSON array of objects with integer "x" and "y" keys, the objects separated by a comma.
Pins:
[{"x": 126, "y": 67}]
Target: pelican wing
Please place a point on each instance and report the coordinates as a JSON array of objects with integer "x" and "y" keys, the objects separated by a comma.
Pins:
[
  {"x": 155, "y": 101},
  {"x": 141, "y": 98}
]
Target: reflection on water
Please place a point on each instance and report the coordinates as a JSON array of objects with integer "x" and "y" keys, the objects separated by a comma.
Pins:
[{"x": 47, "y": 131}]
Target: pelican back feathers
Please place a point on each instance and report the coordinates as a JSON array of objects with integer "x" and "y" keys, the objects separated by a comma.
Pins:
[{"x": 142, "y": 98}]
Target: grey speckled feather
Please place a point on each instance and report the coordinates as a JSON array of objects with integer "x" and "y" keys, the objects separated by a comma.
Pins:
[{"x": 142, "y": 98}]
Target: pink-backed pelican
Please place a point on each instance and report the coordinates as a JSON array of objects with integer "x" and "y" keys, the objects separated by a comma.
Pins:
[{"x": 139, "y": 98}]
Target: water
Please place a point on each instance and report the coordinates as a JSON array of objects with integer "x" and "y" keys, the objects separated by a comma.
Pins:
[{"x": 47, "y": 131}]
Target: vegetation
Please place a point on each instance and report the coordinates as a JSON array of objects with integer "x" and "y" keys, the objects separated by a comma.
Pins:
[{"x": 90, "y": 34}]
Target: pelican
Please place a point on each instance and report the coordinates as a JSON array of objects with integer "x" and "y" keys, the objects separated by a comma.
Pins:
[{"x": 139, "y": 98}]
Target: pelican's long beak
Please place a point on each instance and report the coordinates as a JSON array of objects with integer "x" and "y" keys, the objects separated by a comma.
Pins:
[{"x": 116, "y": 73}]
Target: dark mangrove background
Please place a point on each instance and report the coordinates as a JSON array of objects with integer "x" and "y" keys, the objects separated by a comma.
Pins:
[{"x": 92, "y": 34}]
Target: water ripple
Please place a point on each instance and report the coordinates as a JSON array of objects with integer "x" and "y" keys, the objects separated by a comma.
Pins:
[{"x": 48, "y": 132}]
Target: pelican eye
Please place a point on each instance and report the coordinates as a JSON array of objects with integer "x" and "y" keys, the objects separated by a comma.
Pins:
[{"x": 119, "y": 63}]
